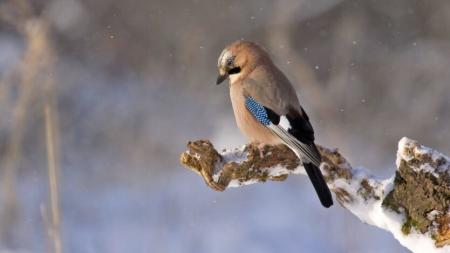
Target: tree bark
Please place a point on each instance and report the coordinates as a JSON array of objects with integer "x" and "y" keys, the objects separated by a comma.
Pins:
[{"x": 413, "y": 204}]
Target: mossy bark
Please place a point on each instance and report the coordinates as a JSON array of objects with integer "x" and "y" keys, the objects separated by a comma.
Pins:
[{"x": 422, "y": 186}]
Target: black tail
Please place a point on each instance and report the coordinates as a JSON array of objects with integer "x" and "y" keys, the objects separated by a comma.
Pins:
[{"x": 319, "y": 184}]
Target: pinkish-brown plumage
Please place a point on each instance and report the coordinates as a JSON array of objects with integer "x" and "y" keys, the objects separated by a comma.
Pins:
[
  {"x": 257, "y": 67},
  {"x": 267, "y": 109},
  {"x": 246, "y": 122}
]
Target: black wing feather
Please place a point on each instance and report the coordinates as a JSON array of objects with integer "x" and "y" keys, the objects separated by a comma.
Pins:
[
  {"x": 273, "y": 116},
  {"x": 302, "y": 130},
  {"x": 300, "y": 126}
]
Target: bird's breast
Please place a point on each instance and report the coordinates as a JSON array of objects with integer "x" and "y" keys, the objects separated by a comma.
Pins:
[{"x": 249, "y": 126}]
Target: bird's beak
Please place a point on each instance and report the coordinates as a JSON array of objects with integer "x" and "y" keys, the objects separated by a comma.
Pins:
[
  {"x": 223, "y": 74},
  {"x": 221, "y": 78}
]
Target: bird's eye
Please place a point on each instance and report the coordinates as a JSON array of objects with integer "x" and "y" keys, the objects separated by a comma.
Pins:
[{"x": 229, "y": 62}]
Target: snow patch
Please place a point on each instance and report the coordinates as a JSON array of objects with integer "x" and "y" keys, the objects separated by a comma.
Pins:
[
  {"x": 235, "y": 155},
  {"x": 366, "y": 193},
  {"x": 372, "y": 212},
  {"x": 408, "y": 149}
]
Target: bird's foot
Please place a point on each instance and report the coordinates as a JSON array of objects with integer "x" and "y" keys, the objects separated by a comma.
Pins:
[{"x": 260, "y": 147}]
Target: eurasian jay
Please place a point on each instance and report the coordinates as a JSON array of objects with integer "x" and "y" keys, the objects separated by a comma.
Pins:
[{"x": 267, "y": 109}]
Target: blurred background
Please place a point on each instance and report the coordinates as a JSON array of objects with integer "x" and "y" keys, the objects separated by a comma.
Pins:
[{"x": 98, "y": 99}]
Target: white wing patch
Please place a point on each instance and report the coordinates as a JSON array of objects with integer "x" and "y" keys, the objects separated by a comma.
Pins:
[{"x": 284, "y": 123}]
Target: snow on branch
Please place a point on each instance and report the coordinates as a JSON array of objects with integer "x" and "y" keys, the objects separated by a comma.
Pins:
[{"x": 414, "y": 204}]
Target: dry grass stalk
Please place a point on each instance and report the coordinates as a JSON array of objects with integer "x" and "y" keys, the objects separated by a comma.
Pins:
[{"x": 35, "y": 85}]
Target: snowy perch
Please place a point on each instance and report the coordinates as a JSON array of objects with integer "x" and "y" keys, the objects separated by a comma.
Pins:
[{"x": 414, "y": 204}]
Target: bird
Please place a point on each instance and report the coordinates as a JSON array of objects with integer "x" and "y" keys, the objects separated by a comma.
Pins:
[{"x": 267, "y": 109}]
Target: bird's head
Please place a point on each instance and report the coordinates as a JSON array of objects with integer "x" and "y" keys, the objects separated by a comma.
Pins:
[{"x": 239, "y": 58}]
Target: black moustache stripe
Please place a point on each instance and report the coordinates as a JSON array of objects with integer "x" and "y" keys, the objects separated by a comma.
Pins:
[{"x": 234, "y": 70}]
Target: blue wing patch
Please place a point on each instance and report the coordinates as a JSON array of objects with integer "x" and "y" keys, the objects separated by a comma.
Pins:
[{"x": 257, "y": 110}]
